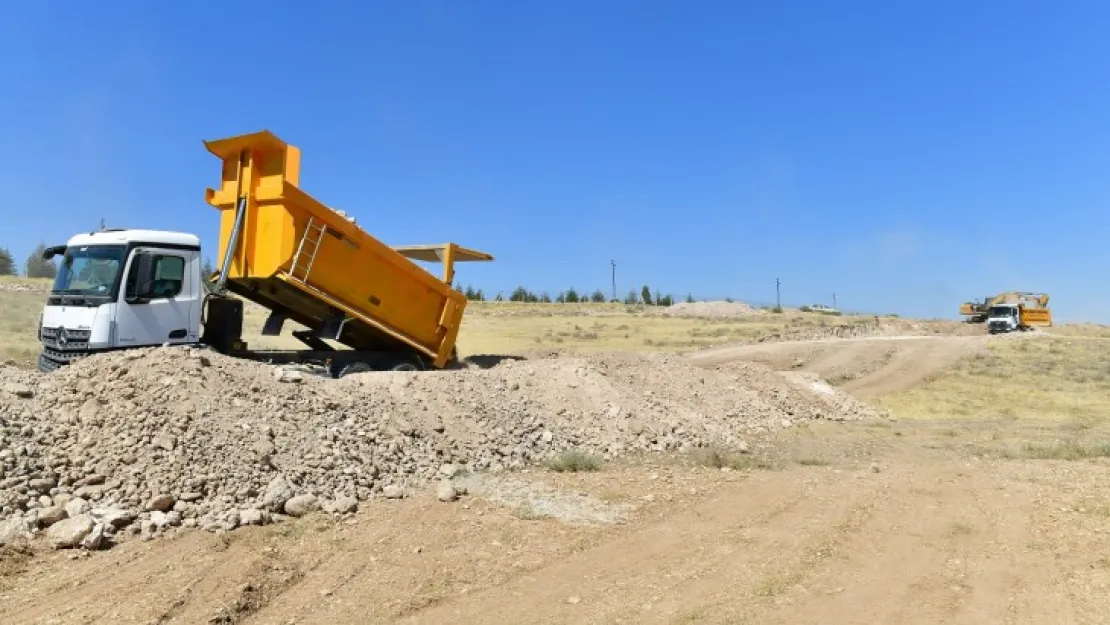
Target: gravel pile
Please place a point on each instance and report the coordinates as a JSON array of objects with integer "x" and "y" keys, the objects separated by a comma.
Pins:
[
  {"x": 139, "y": 443},
  {"x": 710, "y": 310}
]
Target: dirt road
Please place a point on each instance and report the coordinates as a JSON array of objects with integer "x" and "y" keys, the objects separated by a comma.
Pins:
[
  {"x": 865, "y": 367},
  {"x": 853, "y": 523}
]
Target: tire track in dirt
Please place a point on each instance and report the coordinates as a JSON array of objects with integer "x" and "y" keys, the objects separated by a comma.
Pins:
[
  {"x": 947, "y": 549},
  {"x": 865, "y": 367},
  {"x": 667, "y": 571}
]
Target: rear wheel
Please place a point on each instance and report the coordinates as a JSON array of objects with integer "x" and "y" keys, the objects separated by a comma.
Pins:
[
  {"x": 404, "y": 362},
  {"x": 354, "y": 367}
]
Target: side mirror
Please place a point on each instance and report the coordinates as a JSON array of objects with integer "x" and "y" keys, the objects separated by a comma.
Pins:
[
  {"x": 51, "y": 252},
  {"x": 141, "y": 279}
]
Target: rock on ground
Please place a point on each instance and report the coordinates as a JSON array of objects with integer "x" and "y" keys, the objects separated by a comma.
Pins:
[{"x": 70, "y": 532}]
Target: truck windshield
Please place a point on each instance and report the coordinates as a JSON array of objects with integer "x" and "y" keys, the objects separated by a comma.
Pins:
[
  {"x": 89, "y": 270},
  {"x": 1001, "y": 311}
]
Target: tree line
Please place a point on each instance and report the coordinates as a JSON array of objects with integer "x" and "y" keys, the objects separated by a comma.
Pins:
[
  {"x": 35, "y": 266},
  {"x": 573, "y": 296}
]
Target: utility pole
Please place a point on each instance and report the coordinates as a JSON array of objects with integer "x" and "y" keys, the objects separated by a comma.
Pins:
[
  {"x": 614, "y": 263},
  {"x": 834, "y": 300},
  {"x": 778, "y": 294}
]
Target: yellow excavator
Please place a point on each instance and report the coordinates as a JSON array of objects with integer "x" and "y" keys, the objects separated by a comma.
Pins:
[{"x": 976, "y": 311}]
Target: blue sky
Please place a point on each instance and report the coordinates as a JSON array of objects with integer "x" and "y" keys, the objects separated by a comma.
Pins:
[{"x": 906, "y": 156}]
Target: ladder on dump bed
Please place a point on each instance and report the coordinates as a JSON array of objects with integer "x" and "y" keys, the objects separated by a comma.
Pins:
[{"x": 307, "y": 249}]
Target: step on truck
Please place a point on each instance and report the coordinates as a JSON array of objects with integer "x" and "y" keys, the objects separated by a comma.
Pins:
[{"x": 363, "y": 305}]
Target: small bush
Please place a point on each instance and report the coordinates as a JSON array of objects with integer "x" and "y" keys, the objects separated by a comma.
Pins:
[
  {"x": 716, "y": 458},
  {"x": 1064, "y": 451},
  {"x": 574, "y": 461}
]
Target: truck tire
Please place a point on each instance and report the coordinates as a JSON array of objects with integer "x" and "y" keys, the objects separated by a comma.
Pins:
[
  {"x": 354, "y": 367},
  {"x": 405, "y": 363}
]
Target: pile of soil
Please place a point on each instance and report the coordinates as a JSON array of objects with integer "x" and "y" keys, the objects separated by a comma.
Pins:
[{"x": 145, "y": 441}]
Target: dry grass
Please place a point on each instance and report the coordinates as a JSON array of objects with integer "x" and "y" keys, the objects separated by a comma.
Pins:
[
  {"x": 718, "y": 458},
  {"x": 1043, "y": 377},
  {"x": 19, "y": 313},
  {"x": 1064, "y": 450},
  {"x": 506, "y": 328},
  {"x": 574, "y": 461}
]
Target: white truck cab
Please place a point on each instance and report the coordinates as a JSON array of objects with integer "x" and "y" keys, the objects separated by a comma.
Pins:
[
  {"x": 121, "y": 288},
  {"x": 1003, "y": 318}
]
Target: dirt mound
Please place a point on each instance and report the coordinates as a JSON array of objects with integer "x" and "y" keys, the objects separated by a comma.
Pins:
[
  {"x": 709, "y": 310},
  {"x": 148, "y": 440}
]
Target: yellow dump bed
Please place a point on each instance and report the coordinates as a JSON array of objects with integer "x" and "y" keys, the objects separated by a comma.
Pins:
[
  {"x": 1036, "y": 317},
  {"x": 307, "y": 262}
]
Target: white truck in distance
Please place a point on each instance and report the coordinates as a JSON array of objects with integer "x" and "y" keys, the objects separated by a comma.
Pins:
[{"x": 118, "y": 289}]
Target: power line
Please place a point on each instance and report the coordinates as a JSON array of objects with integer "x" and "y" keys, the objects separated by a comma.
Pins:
[{"x": 614, "y": 263}]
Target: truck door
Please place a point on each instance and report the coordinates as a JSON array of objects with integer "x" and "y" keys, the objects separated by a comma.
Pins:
[{"x": 162, "y": 306}]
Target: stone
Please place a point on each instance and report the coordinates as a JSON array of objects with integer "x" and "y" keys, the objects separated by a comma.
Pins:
[
  {"x": 94, "y": 539},
  {"x": 116, "y": 517},
  {"x": 278, "y": 491},
  {"x": 345, "y": 505},
  {"x": 160, "y": 503},
  {"x": 159, "y": 519},
  {"x": 13, "y": 530},
  {"x": 93, "y": 491},
  {"x": 287, "y": 375},
  {"x": 77, "y": 506},
  {"x": 50, "y": 516},
  {"x": 21, "y": 391},
  {"x": 449, "y": 470},
  {"x": 69, "y": 533},
  {"x": 301, "y": 505},
  {"x": 42, "y": 485},
  {"x": 167, "y": 442},
  {"x": 393, "y": 491},
  {"x": 251, "y": 516},
  {"x": 445, "y": 491},
  {"x": 89, "y": 410}
]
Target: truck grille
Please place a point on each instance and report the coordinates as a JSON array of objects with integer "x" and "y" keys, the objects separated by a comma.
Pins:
[
  {"x": 62, "y": 346},
  {"x": 65, "y": 340}
]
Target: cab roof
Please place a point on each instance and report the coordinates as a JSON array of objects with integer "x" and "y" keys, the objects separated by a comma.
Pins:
[{"x": 123, "y": 236}]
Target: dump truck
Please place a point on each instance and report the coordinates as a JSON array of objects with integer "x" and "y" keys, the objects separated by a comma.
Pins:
[
  {"x": 1018, "y": 311},
  {"x": 279, "y": 248}
]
